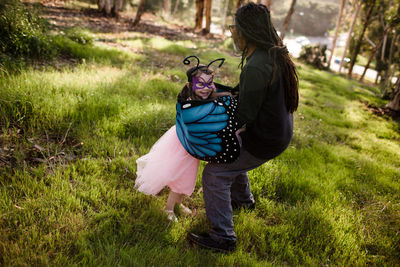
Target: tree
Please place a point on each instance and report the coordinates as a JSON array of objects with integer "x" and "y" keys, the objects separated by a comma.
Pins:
[
  {"x": 239, "y": 3},
  {"x": 208, "y": 16},
  {"x": 224, "y": 16},
  {"x": 199, "y": 14},
  {"x": 139, "y": 12},
  {"x": 353, "y": 22},
  {"x": 339, "y": 20},
  {"x": 176, "y": 7},
  {"x": 100, "y": 5},
  {"x": 117, "y": 8},
  {"x": 387, "y": 28},
  {"x": 266, "y": 3},
  {"x": 201, "y": 6},
  {"x": 386, "y": 81},
  {"x": 167, "y": 8},
  {"x": 394, "y": 103},
  {"x": 361, "y": 37},
  {"x": 392, "y": 19},
  {"x": 110, "y": 7},
  {"x": 378, "y": 46},
  {"x": 287, "y": 19}
]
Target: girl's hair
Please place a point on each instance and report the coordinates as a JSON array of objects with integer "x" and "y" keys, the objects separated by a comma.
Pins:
[
  {"x": 254, "y": 22},
  {"x": 187, "y": 91}
]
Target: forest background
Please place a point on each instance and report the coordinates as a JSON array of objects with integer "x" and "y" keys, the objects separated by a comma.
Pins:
[{"x": 86, "y": 87}]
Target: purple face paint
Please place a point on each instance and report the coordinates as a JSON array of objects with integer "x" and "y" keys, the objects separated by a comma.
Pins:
[{"x": 201, "y": 83}]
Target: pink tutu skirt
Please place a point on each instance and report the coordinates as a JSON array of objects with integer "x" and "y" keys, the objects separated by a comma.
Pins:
[{"x": 167, "y": 164}]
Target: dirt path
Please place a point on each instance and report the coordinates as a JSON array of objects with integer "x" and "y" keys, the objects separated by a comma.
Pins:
[{"x": 61, "y": 17}]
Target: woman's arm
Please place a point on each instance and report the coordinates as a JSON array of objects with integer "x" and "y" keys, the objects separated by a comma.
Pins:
[{"x": 217, "y": 94}]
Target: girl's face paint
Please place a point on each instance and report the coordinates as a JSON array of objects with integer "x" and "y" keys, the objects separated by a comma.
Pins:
[{"x": 203, "y": 85}]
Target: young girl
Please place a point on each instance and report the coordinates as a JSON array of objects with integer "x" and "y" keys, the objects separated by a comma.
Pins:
[{"x": 168, "y": 163}]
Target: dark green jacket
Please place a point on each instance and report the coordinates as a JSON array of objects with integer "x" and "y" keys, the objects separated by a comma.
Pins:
[{"x": 269, "y": 126}]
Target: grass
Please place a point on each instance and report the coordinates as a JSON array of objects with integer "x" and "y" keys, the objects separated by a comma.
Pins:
[{"x": 70, "y": 138}]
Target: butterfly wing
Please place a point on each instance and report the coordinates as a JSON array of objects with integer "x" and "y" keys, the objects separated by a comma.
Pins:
[{"x": 206, "y": 129}]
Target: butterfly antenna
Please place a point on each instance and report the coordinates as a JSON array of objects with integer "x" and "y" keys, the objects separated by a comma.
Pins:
[
  {"x": 186, "y": 61},
  {"x": 218, "y": 59}
]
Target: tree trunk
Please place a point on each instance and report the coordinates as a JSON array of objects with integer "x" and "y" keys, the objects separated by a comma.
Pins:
[
  {"x": 239, "y": 3},
  {"x": 117, "y": 8},
  {"x": 199, "y": 14},
  {"x": 339, "y": 20},
  {"x": 107, "y": 7},
  {"x": 267, "y": 3},
  {"x": 224, "y": 17},
  {"x": 387, "y": 82},
  {"x": 377, "y": 77},
  {"x": 176, "y": 7},
  {"x": 384, "y": 48},
  {"x": 385, "y": 39},
  {"x": 100, "y": 5},
  {"x": 139, "y": 12},
  {"x": 167, "y": 8},
  {"x": 287, "y": 19},
  {"x": 360, "y": 39},
  {"x": 378, "y": 46},
  {"x": 394, "y": 104},
  {"x": 208, "y": 16},
  {"x": 349, "y": 34}
]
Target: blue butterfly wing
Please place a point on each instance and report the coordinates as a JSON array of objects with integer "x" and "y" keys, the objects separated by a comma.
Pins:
[{"x": 199, "y": 127}]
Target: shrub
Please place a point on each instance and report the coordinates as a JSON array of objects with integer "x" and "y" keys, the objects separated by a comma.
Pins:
[
  {"x": 23, "y": 32},
  {"x": 314, "y": 55},
  {"x": 79, "y": 35}
]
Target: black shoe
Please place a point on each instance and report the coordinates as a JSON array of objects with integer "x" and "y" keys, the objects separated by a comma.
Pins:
[
  {"x": 247, "y": 206},
  {"x": 205, "y": 241}
]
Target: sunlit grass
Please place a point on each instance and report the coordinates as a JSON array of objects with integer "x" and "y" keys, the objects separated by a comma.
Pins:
[{"x": 332, "y": 198}]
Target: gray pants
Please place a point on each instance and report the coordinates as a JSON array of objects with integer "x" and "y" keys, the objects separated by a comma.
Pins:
[{"x": 223, "y": 183}]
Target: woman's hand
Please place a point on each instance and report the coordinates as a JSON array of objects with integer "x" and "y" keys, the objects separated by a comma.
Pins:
[
  {"x": 237, "y": 133},
  {"x": 215, "y": 94}
]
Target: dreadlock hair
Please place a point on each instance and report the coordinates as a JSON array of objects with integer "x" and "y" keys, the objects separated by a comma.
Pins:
[
  {"x": 254, "y": 22},
  {"x": 187, "y": 91}
]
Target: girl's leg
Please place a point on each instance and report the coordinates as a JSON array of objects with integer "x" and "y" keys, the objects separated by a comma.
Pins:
[
  {"x": 173, "y": 198},
  {"x": 183, "y": 208}
]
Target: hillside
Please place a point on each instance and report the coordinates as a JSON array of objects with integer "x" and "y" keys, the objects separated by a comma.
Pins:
[{"x": 72, "y": 129}]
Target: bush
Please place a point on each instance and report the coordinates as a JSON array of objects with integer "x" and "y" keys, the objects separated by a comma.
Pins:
[
  {"x": 23, "y": 32},
  {"x": 79, "y": 35},
  {"x": 314, "y": 55}
]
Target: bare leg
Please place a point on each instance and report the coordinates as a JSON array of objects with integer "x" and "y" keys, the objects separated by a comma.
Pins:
[{"x": 173, "y": 198}]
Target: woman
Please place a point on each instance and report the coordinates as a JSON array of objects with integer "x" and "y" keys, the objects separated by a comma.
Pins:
[{"x": 268, "y": 96}]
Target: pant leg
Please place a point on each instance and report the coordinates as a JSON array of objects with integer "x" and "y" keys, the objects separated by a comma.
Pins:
[
  {"x": 240, "y": 190},
  {"x": 217, "y": 183}
]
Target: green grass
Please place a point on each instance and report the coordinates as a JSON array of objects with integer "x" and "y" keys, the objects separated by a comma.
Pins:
[{"x": 71, "y": 136}]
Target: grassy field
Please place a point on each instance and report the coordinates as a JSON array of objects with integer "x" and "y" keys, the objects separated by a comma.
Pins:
[{"x": 70, "y": 136}]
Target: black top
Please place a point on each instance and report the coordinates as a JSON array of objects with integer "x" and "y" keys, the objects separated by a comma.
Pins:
[{"x": 269, "y": 125}]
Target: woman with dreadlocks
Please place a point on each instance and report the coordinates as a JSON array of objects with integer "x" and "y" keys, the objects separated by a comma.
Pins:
[{"x": 268, "y": 96}]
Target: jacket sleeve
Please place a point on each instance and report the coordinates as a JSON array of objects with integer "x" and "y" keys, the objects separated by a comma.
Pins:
[{"x": 252, "y": 92}]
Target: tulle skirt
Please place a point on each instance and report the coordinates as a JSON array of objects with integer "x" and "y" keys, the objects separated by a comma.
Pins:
[{"x": 167, "y": 164}]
